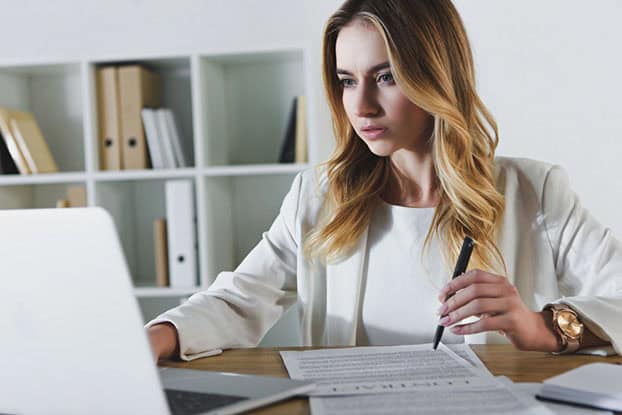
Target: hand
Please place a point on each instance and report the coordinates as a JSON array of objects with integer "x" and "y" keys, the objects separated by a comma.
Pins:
[
  {"x": 164, "y": 341},
  {"x": 497, "y": 302}
]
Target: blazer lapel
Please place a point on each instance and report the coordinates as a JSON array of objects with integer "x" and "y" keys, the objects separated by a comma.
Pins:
[{"x": 343, "y": 283}]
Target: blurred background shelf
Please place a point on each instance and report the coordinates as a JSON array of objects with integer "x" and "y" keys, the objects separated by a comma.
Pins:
[
  {"x": 42, "y": 178},
  {"x": 110, "y": 176},
  {"x": 232, "y": 110},
  {"x": 255, "y": 169}
]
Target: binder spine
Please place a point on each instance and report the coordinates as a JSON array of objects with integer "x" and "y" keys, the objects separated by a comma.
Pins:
[
  {"x": 109, "y": 119},
  {"x": 180, "y": 218},
  {"x": 139, "y": 89}
]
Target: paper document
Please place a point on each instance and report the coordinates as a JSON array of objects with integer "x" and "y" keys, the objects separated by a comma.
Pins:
[
  {"x": 367, "y": 370},
  {"x": 464, "y": 351},
  {"x": 497, "y": 400}
]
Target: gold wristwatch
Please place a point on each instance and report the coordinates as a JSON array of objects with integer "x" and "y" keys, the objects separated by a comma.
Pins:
[{"x": 568, "y": 327}]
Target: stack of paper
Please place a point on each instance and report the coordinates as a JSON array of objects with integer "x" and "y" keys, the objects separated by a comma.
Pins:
[{"x": 407, "y": 379}]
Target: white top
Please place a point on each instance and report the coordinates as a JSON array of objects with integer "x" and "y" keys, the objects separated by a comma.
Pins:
[{"x": 400, "y": 286}]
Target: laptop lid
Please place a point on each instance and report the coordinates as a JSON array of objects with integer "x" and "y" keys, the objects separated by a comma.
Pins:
[
  {"x": 72, "y": 336},
  {"x": 71, "y": 339}
]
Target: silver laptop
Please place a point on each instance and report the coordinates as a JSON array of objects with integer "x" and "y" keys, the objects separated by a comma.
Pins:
[{"x": 71, "y": 336}]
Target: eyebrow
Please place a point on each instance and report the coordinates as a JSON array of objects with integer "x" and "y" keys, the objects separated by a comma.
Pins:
[{"x": 375, "y": 68}]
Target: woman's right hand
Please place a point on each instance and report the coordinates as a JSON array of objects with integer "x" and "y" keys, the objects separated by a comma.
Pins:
[{"x": 164, "y": 341}]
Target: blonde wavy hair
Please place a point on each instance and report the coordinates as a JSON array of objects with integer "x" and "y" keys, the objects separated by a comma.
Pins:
[{"x": 432, "y": 63}]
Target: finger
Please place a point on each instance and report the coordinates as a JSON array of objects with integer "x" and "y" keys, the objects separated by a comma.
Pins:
[
  {"x": 464, "y": 280},
  {"x": 477, "y": 307},
  {"x": 488, "y": 324},
  {"x": 469, "y": 294}
]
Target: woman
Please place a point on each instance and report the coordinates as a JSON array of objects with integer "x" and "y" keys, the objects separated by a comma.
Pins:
[{"x": 414, "y": 157}]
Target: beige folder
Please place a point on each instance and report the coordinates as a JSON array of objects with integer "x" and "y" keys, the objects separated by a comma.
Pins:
[
  {"x": 161, "y": 252},
  {"x": 301, "y": 130},
  {"x": 108, "y": 113},
  {"x": 139, "y": 88},
  {"x": 11, "y": 142},
  {"x": 62, "y": 203},
  {"x": 34, "y": 148},
  {"x": 76, "y": 196}
]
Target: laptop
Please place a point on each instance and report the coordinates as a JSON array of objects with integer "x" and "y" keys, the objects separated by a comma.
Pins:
[{"x": 71, "y": 335}]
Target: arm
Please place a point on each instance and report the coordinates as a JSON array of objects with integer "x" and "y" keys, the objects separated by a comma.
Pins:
[
  {"x": 589, "y": 339},
  {"x": 589, "y": 273},
  {"x": 494, "y": 299},
  {"x": 164, "y": 341},
  {"x": 588, "y": 261}
]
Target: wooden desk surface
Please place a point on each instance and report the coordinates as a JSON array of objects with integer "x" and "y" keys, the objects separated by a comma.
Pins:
[{"x": 500, "y": 360}]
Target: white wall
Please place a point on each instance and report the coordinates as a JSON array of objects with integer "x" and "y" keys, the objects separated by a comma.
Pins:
[
  {"x": 72, "y": 29},
  {"x": 551, "y": 73}
]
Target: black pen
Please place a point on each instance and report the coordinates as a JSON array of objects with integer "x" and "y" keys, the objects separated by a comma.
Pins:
[{"x": 461, "y": 265}]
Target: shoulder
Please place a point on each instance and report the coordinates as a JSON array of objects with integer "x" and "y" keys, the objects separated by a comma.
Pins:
[
  {"x": 313, "y": 181},
  {"x": 306, "y": 195},
  {"x": 531, "y": 182},
  {"x": 522, "y": 174},
  {"x": 534, "y": 171}
]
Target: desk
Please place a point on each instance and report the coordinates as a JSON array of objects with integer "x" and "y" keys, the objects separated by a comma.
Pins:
[{"x": 500, "y": 360}]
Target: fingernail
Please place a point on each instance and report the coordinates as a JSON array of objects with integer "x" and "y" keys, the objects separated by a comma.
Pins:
[
  {"x": 442, "y": 310},
  {"x": 444, "y": 321}
]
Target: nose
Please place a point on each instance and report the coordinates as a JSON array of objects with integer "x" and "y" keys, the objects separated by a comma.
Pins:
[{"x": 366, "y": 103}]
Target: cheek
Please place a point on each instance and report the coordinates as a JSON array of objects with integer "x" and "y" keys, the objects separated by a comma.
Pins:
[
  {"x": 402, "y": 108},
  {"x": 348, "y": 106},
  {"x": 409, "y": 115}
]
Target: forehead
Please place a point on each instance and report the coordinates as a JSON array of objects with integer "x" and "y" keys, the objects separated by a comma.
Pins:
[{"x": 359, "y": 47}]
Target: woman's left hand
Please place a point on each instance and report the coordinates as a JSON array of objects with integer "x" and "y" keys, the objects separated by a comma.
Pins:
[{"x": 498, "y": 304}]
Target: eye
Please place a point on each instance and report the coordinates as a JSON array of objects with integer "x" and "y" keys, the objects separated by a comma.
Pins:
[
  {"x": 346, "y": 82},
  {"x": 385, "y": 78}
]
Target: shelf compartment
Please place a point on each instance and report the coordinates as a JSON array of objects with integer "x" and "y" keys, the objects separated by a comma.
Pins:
[
  {"x": 34, "y": 196},
  {"x": 134, "y": 205},
  {"x": 53, "y": 94},
  {"x": 175, "y": 76},
  {"x": 246, "y": 102},
  {"x": 239, "y": 209}
]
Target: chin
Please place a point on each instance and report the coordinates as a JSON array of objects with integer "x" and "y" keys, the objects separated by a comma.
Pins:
[{"x": 379, "y": 148}]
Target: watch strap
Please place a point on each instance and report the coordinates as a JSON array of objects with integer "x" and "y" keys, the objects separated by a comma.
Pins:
[{"x": 569, "y": 344}]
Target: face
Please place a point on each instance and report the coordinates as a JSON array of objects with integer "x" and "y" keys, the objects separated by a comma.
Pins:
[{"x": 385, "y": 119}]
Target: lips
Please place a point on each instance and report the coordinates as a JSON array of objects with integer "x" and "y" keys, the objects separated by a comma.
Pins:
[{"x": 372, "y": 131}]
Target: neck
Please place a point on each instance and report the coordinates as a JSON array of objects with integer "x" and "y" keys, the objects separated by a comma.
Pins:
[{"x": 413, "y": 181}]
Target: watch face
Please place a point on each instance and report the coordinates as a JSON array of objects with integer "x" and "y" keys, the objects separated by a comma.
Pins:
[{"x": 569, "y": 324}]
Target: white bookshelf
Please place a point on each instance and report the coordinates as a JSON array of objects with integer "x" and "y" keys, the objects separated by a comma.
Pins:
[{"x": 232, "y": 111}]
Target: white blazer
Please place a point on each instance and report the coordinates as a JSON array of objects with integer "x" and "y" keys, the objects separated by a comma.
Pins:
[{"x": 554, "y": 252}]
